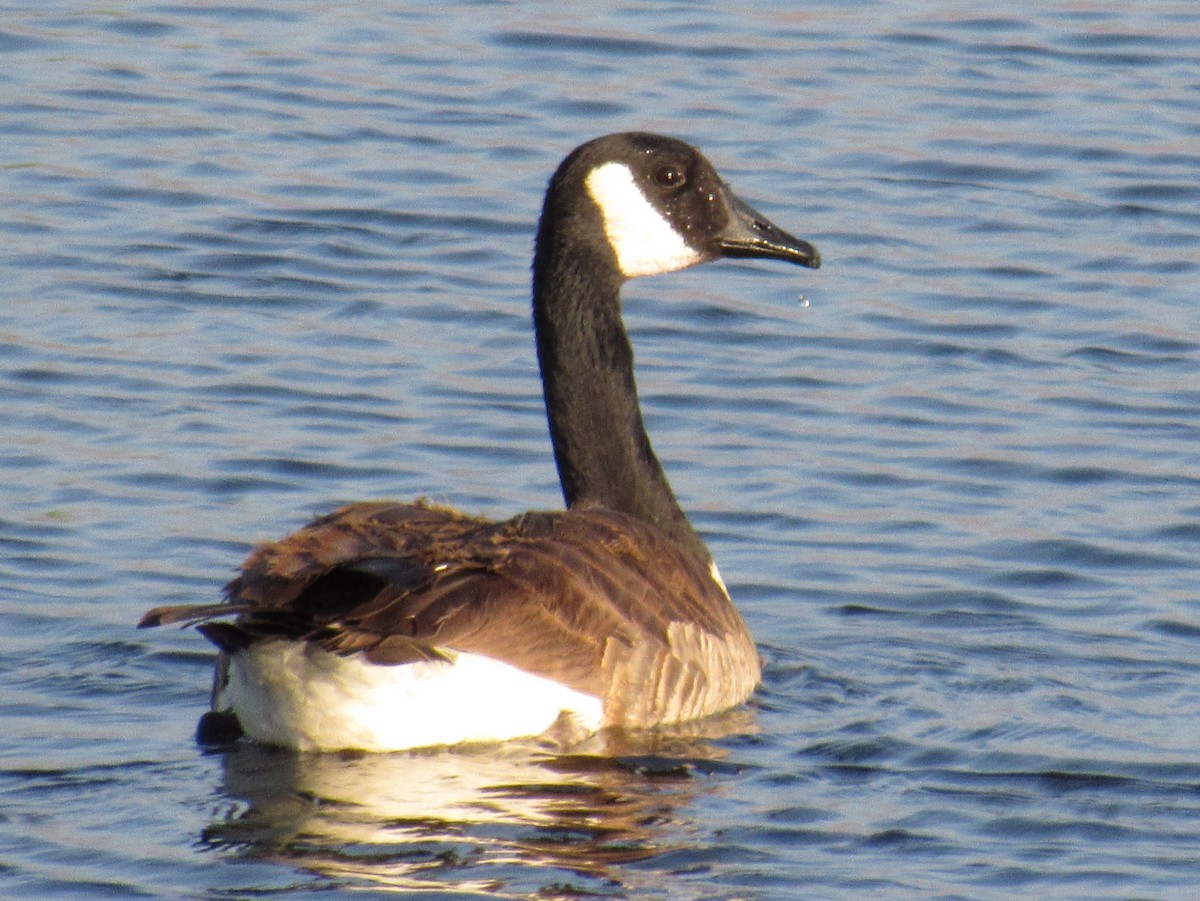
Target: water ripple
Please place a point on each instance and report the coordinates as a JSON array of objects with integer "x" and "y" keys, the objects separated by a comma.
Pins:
[{"x": 263, "y": 261}]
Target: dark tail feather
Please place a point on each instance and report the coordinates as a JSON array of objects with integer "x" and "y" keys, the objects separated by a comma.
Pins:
[
  {"x": 217, "y": 728},
  {"x": 188, "y": 614}
]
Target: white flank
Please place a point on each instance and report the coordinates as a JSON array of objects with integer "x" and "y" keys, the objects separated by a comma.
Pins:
[
  {"x": 644, "y": 242},
  {"x": 299, "y": 696}
]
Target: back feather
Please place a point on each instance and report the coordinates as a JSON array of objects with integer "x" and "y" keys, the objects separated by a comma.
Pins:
[{"x": 594, "y": 599}]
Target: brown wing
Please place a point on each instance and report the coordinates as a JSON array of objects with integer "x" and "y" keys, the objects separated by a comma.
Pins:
[{"x": 593, "y": 599}]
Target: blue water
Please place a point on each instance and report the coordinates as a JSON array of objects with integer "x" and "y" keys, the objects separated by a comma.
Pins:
[{"x": 258, "y": 261}]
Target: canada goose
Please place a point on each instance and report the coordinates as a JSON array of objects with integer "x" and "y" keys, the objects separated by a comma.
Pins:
[{"x": 387, "y": 626}]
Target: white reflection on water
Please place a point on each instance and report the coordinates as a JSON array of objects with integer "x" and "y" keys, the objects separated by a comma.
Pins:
[{"x": 460, "y": 818}]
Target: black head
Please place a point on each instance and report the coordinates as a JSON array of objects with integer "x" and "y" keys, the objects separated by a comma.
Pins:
[{"x": 661, "y": 207}]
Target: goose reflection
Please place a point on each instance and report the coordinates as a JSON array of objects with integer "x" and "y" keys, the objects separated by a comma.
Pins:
[{"x": 508, "y": 820}]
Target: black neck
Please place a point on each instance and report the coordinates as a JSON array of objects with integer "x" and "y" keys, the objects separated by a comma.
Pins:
[{"x": 600, "y": 443}]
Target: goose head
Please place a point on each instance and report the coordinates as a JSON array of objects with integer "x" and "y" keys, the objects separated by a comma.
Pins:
[{"x": 652, "y": 204}]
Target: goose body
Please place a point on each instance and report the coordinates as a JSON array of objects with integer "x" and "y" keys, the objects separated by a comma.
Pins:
[{"x": 388, "y": 626}]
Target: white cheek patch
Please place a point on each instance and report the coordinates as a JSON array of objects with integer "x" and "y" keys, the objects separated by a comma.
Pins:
[{"x": 644, "y": 242}]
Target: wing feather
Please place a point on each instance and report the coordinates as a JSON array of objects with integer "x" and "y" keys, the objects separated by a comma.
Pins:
[{"x": 588, "y": 597}]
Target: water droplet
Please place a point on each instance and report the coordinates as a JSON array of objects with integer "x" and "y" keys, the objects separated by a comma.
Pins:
[{"x": 803, "y": 301}]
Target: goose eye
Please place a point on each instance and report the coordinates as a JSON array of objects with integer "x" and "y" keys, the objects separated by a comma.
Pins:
[{"x": 669, "y": 177}]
